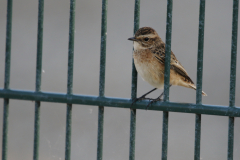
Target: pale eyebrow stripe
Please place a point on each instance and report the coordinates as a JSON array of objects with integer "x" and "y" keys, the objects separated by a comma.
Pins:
[{"x": 148, "y": 35}]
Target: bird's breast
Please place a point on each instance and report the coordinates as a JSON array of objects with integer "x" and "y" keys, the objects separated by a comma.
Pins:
[{"x": 149, "y": 68}]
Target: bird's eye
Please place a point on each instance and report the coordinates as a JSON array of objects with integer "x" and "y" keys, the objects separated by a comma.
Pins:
[{"x": 146, "y": 39}]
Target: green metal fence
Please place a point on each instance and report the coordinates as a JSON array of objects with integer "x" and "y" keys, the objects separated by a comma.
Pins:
[{"x": 231, "y": 111}]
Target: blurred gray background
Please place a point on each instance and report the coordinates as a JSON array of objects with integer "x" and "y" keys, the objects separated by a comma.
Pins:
[{"x": 216, "y": 73}]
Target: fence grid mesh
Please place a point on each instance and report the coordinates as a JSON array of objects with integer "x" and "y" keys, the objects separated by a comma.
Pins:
[{"x": 38, "y": 96}]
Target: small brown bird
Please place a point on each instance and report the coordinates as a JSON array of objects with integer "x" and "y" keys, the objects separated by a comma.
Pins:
[{"x": 149, "y": 60}]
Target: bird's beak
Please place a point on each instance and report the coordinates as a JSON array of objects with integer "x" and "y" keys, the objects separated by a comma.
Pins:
[{"x": 132, "y": 39}]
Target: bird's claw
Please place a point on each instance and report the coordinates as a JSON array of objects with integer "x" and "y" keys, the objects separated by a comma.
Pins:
[
  {"x": 140, "y": 98},
  {"x": 152, "y": 101}
]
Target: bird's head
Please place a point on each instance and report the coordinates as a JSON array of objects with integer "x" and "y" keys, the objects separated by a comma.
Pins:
[{"x": 145, "y": 38}]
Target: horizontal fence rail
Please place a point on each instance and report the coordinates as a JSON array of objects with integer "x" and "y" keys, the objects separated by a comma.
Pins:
[{"x": 120, "y": 102}]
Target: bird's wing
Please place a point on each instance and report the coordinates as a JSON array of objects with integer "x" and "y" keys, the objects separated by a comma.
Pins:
[{"x": 175, "y": 65}]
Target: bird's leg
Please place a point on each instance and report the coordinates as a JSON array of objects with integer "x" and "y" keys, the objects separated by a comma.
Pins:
[
  {"x": 143, "y": 96},
  {"x": 157, "y": 99}
]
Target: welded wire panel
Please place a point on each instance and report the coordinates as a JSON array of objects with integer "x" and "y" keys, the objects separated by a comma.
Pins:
[
  {"x": 199, "y": 78},
  {"x": 134, "y": 88},
  {"x": 102, "y": 78},
  {"x": 7, "y": 79},
  {"x": 38, "y": 79},
  {"x": 70, "y": 79},
  {"x": 167, "y": 78},
  {"x": 233, "y": 77}
]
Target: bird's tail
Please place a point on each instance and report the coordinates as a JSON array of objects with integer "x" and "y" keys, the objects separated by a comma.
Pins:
[{"x": 194, "y": 87}]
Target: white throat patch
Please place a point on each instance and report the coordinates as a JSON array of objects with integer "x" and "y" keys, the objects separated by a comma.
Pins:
[{"x": 137, "y": 46}]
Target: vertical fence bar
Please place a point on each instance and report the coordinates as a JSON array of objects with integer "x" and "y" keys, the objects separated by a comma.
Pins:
[
  {"x": 38, "y": 78},
  {"x": 233, "y": 77},
  {"x": 102, "y": 78},
  {"x": 197, "y": 137},
  {"x": 233, "y": 53},
  {"x": 168, "y": 50},
  {"x": 167, "y": 78},
  {"x": 134, "y": 88},
  {"x": 199, "y": 78},
  {"x": 230, "y": 138},
  {"x": 7, "y": 79},
  {"x": 70, "y": 79}
]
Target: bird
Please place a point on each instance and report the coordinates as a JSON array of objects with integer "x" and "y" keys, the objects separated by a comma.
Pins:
[{"x": 149, "y": 61}]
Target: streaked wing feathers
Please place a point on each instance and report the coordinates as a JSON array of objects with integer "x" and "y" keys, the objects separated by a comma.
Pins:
[{"x": 174, "y": 64}]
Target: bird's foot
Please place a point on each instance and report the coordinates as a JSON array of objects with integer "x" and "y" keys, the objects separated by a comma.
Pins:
[
  {"x": 152, "y": 101},
  {"x": 141, "y": 98}
]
